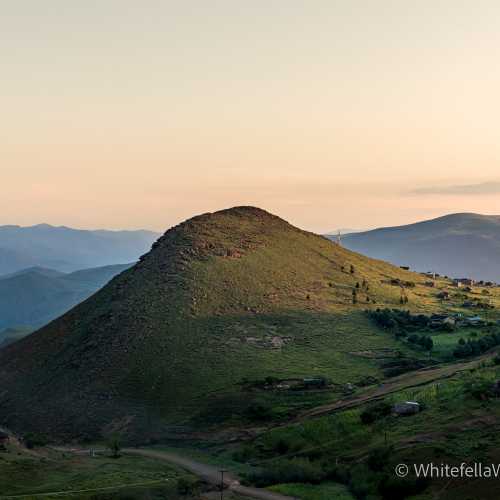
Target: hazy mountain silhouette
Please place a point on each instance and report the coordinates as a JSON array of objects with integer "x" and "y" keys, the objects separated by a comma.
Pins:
[
  {"x": 66, "y": 249},
  {"x": 458, "y": 245}
]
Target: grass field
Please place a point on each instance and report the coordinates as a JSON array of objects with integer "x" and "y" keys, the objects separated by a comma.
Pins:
[
  {"x": 326, "y": 491},
  {"x": 29, "y": 475}
]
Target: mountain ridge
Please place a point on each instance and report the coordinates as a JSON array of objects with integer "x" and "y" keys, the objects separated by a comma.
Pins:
[
  {"x": 458, "y": 245},
  {"x": 34, "y": 296},
  {"x": 66, "y": 249}
]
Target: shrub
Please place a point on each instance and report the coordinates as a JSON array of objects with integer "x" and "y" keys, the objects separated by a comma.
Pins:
[
  {"x": 363, "y": 482},
  {"x": 479, "y": 388},
  {"x": 259, "y": 411},
  {"x": 393, "y": 488},
  {"x": 188, "y": 486},
  {"x": 243, "y": 455},
  {"x": 34, "y": 440},
  {"x": 375, "y": 412},
  {"x": 114, "y": 445},
  {"x": 297, "y": 470},
  {"x": 379, "y": 458}
]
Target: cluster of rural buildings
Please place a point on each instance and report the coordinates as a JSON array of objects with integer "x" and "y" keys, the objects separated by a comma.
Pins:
[{"x": 455, "y": 320}]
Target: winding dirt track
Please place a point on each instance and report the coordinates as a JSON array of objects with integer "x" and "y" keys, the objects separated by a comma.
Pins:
[
  {"x": 209, "y": 473},
  {"x": 406, "y": 381}
]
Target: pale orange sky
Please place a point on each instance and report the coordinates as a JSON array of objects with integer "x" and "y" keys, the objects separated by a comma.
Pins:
[{"x": 127, "y": 114}]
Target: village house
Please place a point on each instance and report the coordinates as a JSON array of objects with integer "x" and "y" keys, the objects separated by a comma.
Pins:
[
  {"x": 461, "y": 282},
  {"x": 430, "y": 274},
  {"x": 475, "y": 321},
  {"x": 406, "y": 408},
  {"x": 314, "y": 382},
  {"x": 442, "y": 320}
]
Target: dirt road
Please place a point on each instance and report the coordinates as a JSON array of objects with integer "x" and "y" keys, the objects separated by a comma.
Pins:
[
  {"x": 406, "y": 381},
  {"x": 209, "y": 473}
]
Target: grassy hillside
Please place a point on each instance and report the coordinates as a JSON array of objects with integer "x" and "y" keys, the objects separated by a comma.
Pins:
[
  {"x": 458, "y": 423},
  {"x": 50, "y": 474},
  {"x": 187, "y": 336},
  {"x": 457, "y": 245}
]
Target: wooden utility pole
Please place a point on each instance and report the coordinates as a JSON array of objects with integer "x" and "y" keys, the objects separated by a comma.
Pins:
[{"x": 222, "y": 483}]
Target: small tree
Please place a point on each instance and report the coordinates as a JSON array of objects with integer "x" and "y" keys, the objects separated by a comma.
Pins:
[
  {"x": 352, "y": 269},
  {"x": 114, "y": 445},
  {"x": 188, "y": 486}
]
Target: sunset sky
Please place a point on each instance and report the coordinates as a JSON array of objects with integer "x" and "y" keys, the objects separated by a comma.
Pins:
[{"x": 356, "y": 113}]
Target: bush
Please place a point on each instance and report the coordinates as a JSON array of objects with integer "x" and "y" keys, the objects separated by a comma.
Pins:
[
  {"x": 243, "y": 455},
  {"x": 363, "y": 482},
  {"x": 375, "y": 412},
  {"x": 34, "y": 440},
  {"x": 259, "y": 411},
  {"x": 297, "y": 470},
  {"x": 479, "y": 388},
  {"x": 188, "y": 486},
  {"x": 114, "y": 445},
  {"x": 393, "y": 488},
  {"x": 379, "y": 458}
]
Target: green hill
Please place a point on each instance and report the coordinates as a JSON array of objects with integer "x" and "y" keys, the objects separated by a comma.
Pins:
[
  {"x": 221, "y": 299},
  {"x": 32, "y": 297}
]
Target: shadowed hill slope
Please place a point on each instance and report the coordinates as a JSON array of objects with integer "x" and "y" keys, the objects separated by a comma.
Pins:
[
  {"x": 224, "y": 296},
  {"x": 458, "y": 245}
]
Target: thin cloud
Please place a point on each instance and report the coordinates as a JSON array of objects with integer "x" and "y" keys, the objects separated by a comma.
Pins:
[{"x": 465, "y": 189}]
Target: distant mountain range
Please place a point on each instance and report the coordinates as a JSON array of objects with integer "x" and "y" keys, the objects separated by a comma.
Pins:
[
  {"x": 32, "y": 297},
  {"x": 457, "y": 245},
  {"x": 66, "y": 249}
]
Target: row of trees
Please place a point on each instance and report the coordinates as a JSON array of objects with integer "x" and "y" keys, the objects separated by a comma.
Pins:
[
  {"x": 402, "y": 324},
  {"x": 473, "y": 347}
]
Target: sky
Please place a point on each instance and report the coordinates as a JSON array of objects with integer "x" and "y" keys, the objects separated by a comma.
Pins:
[{"x": 359, "y": 113}]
